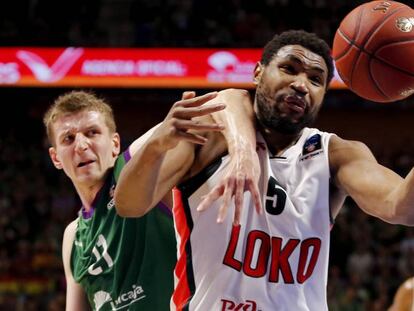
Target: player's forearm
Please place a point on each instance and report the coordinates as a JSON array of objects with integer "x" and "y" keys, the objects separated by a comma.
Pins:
[
  {"x": 150, "y": 175},
  {"x": 238, "y": 121},
  {"x": 135, "y": 191}
]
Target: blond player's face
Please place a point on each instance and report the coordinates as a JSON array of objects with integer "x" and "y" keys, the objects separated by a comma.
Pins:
[
  {"x": 290, "y": 89},
  {"x": 84, "y": 147}
]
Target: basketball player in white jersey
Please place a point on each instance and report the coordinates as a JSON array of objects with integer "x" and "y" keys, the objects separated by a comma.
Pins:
[
  {"x": 276, "y": 260},
  {"x": 404, "y": 297}
]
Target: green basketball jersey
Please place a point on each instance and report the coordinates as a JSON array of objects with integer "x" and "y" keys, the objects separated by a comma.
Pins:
[{"x": 124, "y": 263}]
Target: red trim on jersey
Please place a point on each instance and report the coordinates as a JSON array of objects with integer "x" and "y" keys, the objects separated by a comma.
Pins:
[{"x": 182, "y": 291}]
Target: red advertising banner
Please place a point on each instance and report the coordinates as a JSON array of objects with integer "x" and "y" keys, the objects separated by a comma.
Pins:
[{"x": 149, "y": 68}]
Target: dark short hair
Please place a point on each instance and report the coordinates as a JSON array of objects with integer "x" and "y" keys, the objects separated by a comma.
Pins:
[{"x": 308, "y": 40}]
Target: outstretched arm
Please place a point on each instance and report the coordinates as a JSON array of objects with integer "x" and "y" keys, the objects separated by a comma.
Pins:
[{"x": 376, "y": 189}]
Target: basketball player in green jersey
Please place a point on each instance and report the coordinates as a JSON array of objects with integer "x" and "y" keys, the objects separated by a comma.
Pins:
[{"x": 110, "y": 262}]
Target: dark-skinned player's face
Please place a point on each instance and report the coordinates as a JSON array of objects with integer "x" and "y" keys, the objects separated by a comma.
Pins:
[{"x": 290, "y": 89}]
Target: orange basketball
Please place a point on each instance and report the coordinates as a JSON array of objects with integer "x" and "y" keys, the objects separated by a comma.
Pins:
[{"x": 374, "y": 51}]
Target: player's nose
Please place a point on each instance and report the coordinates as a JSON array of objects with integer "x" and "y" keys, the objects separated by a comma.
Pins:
[
  {"x": 81, "y": 143},
  {"x": 299, "y": 84}
]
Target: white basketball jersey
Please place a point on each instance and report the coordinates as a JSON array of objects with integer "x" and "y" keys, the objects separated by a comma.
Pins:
[{"x": 274, "y": 261}]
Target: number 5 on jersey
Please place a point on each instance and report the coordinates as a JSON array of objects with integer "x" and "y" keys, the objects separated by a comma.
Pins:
[{"x": 275, "y": 197}]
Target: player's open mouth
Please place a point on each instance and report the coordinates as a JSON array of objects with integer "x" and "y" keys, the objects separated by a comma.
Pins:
[
  {"x": 296, "y": 103},
  {"x": 82, "y": 164}
]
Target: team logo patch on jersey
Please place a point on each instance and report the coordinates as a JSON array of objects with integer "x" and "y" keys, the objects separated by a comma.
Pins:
[
  {"x": 312, "y": 147},
  {"x": 111, "y": 204},
  {"x": 100, "y": 298},
  {"x": 124, "y": 300}
]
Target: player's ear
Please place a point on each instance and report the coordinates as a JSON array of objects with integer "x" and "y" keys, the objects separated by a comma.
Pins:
[
  {"x": 55, "y": 159},
  {"x": 116, "y": 144},
  {"x": 258, "y": 70}
]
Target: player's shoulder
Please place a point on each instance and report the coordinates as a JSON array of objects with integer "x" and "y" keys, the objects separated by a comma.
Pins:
[
  {"x": 409, "y": 283},
  {"x": 407, "y": 286},
  {"x": 68, "y": 238},
  {"x": 338, "y": 144},
  {"x": 234, "y": 92},
  {"x": 69, "y": 234},
  {"x": 343, "y": 151}
]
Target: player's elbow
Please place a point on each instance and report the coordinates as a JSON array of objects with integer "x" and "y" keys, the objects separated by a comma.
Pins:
[
  {"x": 405, "y": 220},
  {"x": 402, "y": 214}
]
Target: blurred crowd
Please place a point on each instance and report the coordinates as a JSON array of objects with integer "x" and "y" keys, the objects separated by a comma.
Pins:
[
  {"x": 178, "y": 23},
  {"x": 35, "y": 206}
]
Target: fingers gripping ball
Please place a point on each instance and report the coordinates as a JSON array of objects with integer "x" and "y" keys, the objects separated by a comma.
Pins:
[{"x": 374, "y": 51}]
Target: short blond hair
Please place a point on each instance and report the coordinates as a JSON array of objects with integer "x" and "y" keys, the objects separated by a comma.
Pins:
[{"x": 74, "y": 102}]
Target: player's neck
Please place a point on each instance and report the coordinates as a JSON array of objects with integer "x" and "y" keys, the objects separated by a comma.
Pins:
[
  {"x": 277, "y": 142},
  {"x": 87, "y": 194}
]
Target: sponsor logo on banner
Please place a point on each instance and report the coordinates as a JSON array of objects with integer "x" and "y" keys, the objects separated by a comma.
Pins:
[
  {"x": 226, "y": 67},
  {"x": 127, "y": 67},
  {"x": 9, "y": 73},
  {"x": 45, "y": 73},
  {"x": 91, "y": 67}
]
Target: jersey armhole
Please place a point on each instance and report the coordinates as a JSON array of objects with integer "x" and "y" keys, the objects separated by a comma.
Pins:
[
  {"x": 120, "y": 162},
  {"x": 189, "y": 186}
]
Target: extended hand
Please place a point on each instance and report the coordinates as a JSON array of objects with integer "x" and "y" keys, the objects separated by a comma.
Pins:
[
  {"x": 179, "y": 121},
  {"x": 242, "y": 175}
]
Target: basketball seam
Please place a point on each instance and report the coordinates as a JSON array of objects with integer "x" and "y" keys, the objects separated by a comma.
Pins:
[
  {"x": 366, "y": 39},
  {"x": 383, "y": 61},
  {"x": 359, "y": 51},
  {"x": 375, "y": 81},
  {"x": 348, "y": 47},
  {"x": 377, "y": 26},
  {"x": 380, "y": 60},
  {"x": 373, "y": 54},
  {"x": 350, "y": 44}
]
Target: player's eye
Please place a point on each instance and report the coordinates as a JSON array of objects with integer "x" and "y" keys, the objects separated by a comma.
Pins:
[
  {"x": 288, "y": 68},
  {"x": 67, "y": 139},
  {"x": 92, "y": 132},
  {"x": 316, "y": 80}
]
